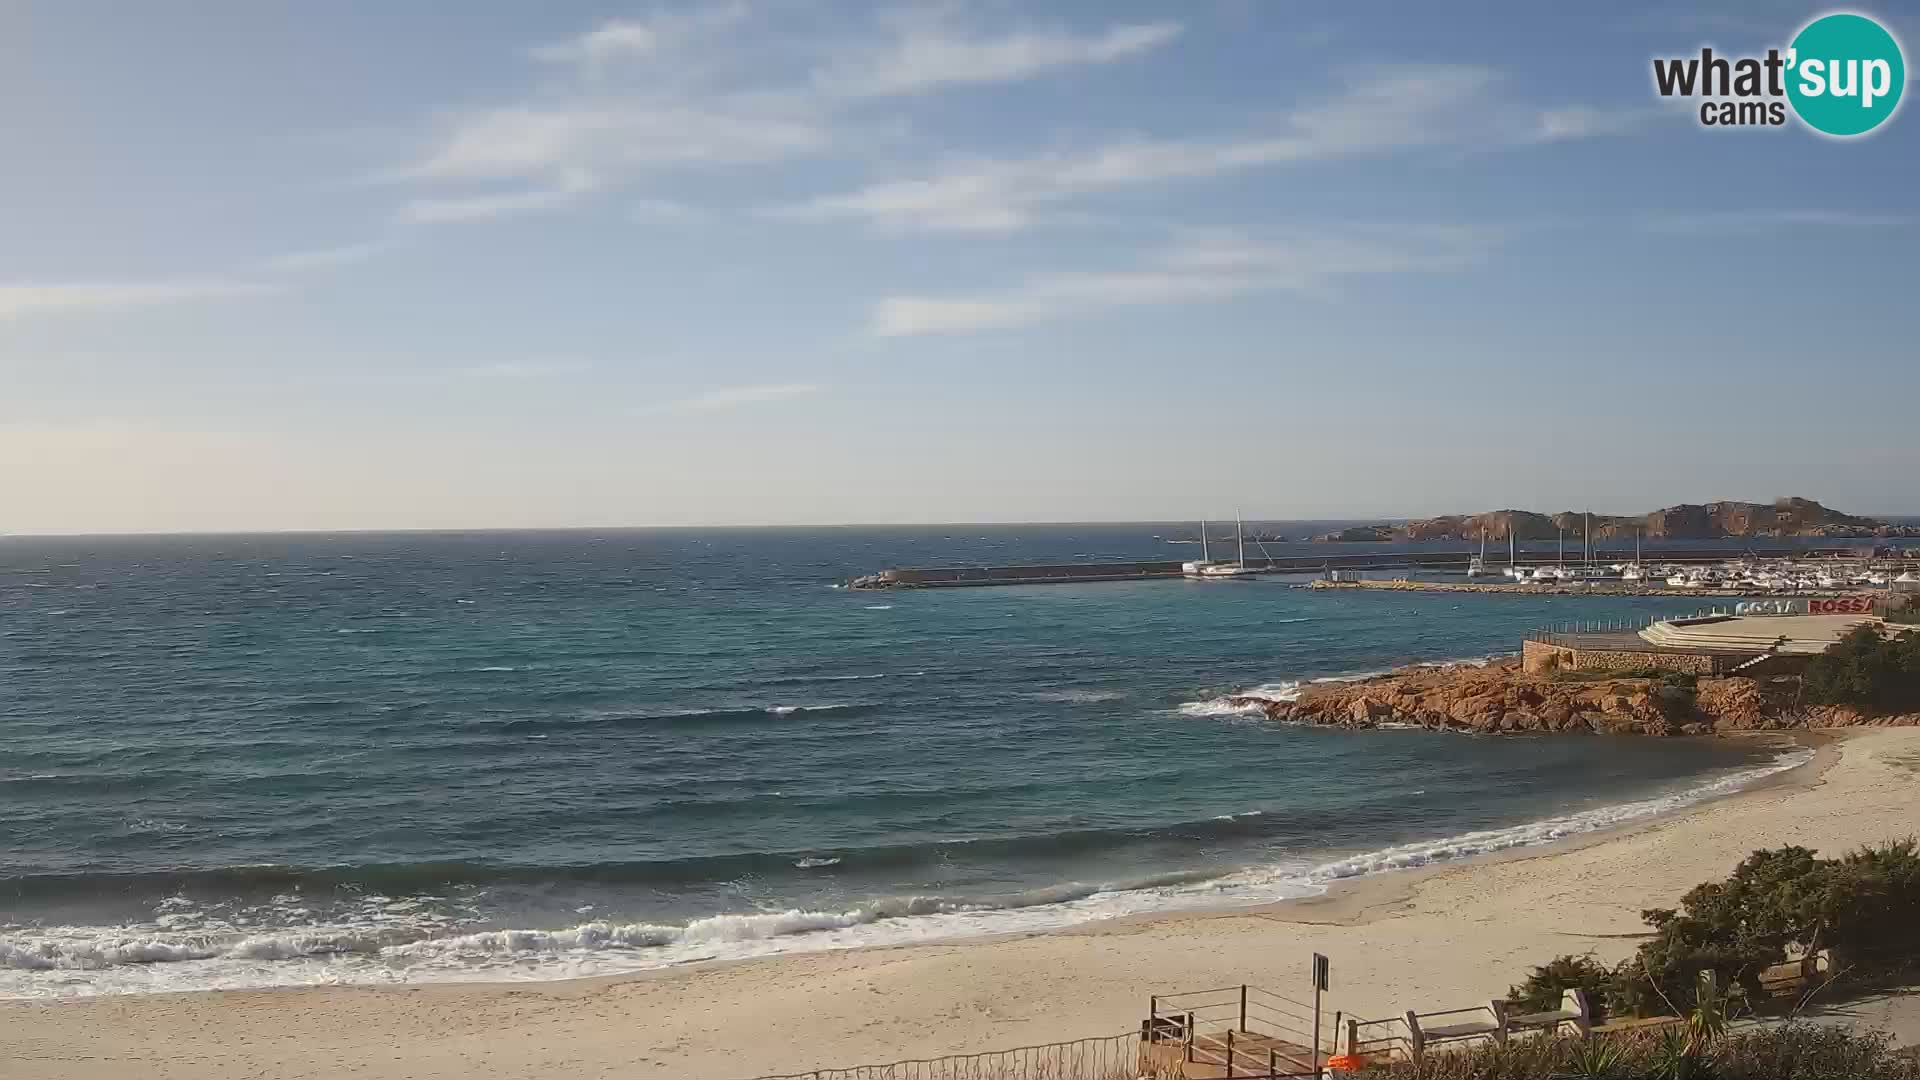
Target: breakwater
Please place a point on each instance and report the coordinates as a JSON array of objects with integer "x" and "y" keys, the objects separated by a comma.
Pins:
[{"x": 938, "y": 577}]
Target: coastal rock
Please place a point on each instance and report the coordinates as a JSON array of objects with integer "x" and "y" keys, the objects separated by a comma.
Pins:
[
  {"x": 1500, "y": 698},
  {"x": 1687, "y": 521}
]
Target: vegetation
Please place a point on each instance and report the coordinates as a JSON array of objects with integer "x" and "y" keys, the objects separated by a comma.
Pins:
[
  {"x": 1704, "y": 963},
  {"x": 1786, "y": 1052},
  {"x": 1543, "y": 988},
  {"x": 1868, "y": 670},
  {"x": 1862, "y": 910}
]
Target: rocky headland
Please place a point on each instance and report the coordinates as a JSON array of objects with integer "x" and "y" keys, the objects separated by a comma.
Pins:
[
  {"x": 1499, "y": 699},
  {"x": 1687, "y": 521}
]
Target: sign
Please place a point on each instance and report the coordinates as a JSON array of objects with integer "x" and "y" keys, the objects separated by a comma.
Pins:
[
  {"x": 1770, "y": 607},
  {"x": 1320, "y": 966},
  {"x": 1841, "y": 605}
]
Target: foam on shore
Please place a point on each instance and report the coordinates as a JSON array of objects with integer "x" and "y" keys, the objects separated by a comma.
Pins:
[{"x": 392, "y": 944}]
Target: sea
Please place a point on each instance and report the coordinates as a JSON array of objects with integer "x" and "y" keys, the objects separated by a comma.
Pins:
[{"x": 277, "y": 760}]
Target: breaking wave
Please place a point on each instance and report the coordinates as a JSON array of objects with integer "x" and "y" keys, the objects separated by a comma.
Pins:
[{"x": 147, "y": 958}]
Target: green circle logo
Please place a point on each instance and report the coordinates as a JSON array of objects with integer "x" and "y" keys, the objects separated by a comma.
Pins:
[{"x": 1845, "y": 74}]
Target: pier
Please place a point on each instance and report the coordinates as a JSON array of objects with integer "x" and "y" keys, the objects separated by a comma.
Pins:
[{"x": 947, "y": 577}]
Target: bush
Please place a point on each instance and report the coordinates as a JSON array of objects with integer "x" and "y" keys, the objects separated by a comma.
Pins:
[
  {"x": 1863, "y": 908},
  {"x": 1868, "y": 670},
  {"x": 1787, "y": 1052},
  {"x": 1543, "y": 987}
]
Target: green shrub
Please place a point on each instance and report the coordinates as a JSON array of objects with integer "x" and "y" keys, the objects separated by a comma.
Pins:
[
  {"x": 1544, "y": 985},
  {"x": 1869, "y": 670},
  {"x": 1786, "y": 1052},
  {"x": 1864, "y": 908}
]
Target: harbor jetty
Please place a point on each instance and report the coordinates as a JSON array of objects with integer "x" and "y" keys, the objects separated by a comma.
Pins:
[{"x": 938, "y": 577}]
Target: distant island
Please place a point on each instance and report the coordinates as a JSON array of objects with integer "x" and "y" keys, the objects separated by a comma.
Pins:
[{"x": 1687, "y": 521}]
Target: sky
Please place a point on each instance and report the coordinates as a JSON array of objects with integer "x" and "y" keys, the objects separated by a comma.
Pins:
[{"x": 361, "y": 265}]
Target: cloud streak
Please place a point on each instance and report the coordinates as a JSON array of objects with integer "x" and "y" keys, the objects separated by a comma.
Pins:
[
  {"x": 466, "y": 208},
  {"x": 733, "y": 397},
  {"x": 295, "y": 262},
  {"x": 1379, "y": 112},
  {"x": 1205, "y": 267},
  {"x": 1766, "y": 221},
  {"x": 927, "y": 57},
  {"x": 21, "y": 301},
  {"x": 698, "y": 91}
]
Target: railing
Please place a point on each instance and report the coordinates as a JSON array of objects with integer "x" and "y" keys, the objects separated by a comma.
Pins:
[
  {"x": 1243, "y": 1030},
  {"x": 1379, "y": 1041},
  {"x": 1112, "y": 1057}
]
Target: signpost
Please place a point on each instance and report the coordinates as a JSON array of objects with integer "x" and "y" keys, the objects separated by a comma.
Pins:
[{"x": 1320, "y": 970}]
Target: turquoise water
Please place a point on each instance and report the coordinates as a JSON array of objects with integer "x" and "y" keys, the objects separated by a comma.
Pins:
[{"x": 286, "y": 759}]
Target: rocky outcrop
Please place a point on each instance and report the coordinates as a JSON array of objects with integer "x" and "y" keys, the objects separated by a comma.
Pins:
[
  {"x": 1687, "y": 521},
  {"x": 1499, "y": 698}
]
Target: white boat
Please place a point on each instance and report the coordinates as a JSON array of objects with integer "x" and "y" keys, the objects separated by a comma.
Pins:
[
  {"x": 1205, "y": 569},
  {"x": 1477, "y": 566}
]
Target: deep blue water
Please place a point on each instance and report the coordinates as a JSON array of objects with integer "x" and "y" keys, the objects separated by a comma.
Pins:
[{"x": 276, "y": 759}]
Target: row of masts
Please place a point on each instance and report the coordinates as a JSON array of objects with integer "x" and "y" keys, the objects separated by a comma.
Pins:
[{"x": 1478, "y": 565}]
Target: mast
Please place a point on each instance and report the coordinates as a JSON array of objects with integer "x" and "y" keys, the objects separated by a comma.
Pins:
[
  {"x": 1636, "y": 547},
  {"x": 1510, "y": 548},
  {"x": 1239, "y": 538},
  {"x": 1587, "y": 544},
  {"x": 1563, "y": 547},
  {"x": 1204, "y": 557}
]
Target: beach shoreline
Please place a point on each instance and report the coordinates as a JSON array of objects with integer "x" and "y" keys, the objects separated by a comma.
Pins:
[{"x": 1433, "y": 937}]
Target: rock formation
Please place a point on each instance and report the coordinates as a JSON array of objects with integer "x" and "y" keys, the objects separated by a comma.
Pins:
[
  {"x": 1688, "y": 521},
  {"x": 1499, "y": 698}
]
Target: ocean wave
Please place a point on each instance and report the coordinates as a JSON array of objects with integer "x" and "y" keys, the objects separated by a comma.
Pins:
[
  {"x": 811, "y": 862},
  {"x": 1237, "y": 703},
  {"x": 690, "y": 717},
  {"x": 424, "y": 950}
]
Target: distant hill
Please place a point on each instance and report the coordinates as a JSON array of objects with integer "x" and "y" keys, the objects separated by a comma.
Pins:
[{"x": 1687, "y": 521}]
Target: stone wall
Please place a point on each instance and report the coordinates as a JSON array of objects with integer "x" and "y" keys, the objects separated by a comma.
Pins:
[{"x": 1537, "y": 657}]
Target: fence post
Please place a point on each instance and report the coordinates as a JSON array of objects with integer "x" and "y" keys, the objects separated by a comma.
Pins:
[
  {"x": 1229, "y": 1054},
  {"x": 1243, "y": 1006},
  {"x": 1353, "y": 1036}
]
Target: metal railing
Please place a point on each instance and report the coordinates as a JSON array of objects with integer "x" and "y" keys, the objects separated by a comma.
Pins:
[
  {"x": 1243, "y": 1030},
  {"x": 1111, "y": 1057}
]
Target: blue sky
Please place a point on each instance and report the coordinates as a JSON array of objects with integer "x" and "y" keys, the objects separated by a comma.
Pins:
[{"x": 279, "y": 266}]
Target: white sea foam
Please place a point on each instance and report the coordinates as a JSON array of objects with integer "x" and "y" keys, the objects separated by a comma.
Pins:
[
  {"x": 393, "y": 942},
  {"x": 496, "y": 667},
  {"x": 879, "y": 607},
  {"x": 810, "y": 862}
]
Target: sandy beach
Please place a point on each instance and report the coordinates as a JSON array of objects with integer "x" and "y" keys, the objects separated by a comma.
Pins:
[{"x": 1426, "y": 939}]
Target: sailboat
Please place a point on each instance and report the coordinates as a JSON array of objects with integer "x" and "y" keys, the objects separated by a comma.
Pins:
[
  {"x": 1208, "y": 570},
  {"x": 1477, "y": 566},
  {"x": 1635, "y": 572}
]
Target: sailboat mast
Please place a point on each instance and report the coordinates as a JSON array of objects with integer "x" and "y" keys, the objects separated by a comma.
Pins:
[
  {"x": 1239, "y": 538},
  {"x": 1562, "y": 561},
  {"x": 1587, "y": 544},
  {"x": 1204, "y": 557}
]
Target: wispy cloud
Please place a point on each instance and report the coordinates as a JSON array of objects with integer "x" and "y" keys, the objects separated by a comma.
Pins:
[
  {"x": 661, "y": 212},
  {"x": 1204, "y": 267},
  {"x": 733, "y": 397},
  {"x": 1586, "y": 121},
  {"x": 523, "y": 369},
  {"x": 699, "y": 91},
  {"x": 618, "y": 40},
  {"x": 931, "y": 54},
  {"x": 294, "y": 262},
  {"x": 1766, "y": 221},
  {"x": 1380, "y": 112},
  {"x": 461, "y": 208},
  {"x": 20, "y": 301}
]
